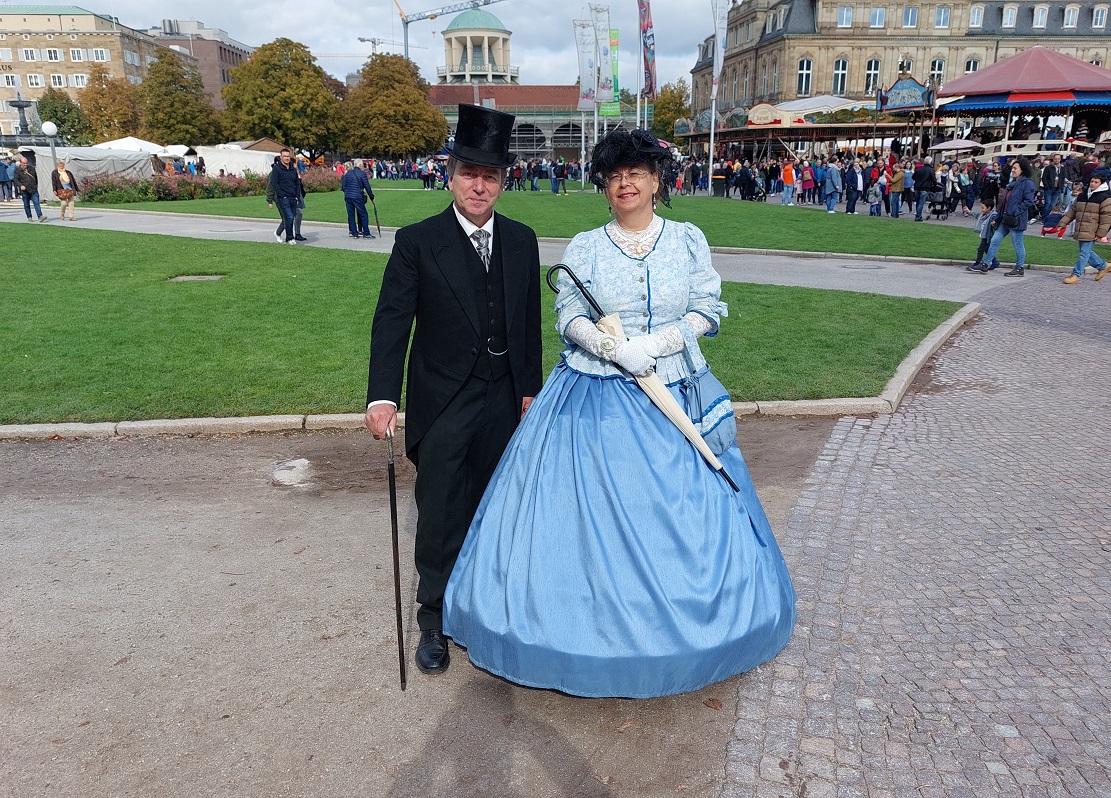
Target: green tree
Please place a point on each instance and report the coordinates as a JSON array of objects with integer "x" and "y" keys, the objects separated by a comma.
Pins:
[
  {"x": 673, "y": 102},
  {"x": 109, "y": 105},
  {"x": 388, "y": 113},
  {"x": 173, "y": 106},
  {"x": 280, "y": 92},
  {"x": 56, "y": 106}
]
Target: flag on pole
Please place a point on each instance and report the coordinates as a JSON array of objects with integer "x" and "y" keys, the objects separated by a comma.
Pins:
[
  {"x": 600, "y": 16},
  {"x": 721, "y": 23},
  {"x": 648, "y": 45},
  {"x": 584, "y": 44}
]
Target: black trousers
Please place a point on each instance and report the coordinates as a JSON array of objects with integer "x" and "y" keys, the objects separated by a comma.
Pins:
[{"x": 457, "y": 457}]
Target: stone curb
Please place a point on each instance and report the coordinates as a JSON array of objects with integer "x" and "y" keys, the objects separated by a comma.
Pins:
[{"x": 886, "y": 402}]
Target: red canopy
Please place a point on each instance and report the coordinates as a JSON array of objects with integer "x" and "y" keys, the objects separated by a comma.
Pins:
[{"x": 1032, "y": 71}]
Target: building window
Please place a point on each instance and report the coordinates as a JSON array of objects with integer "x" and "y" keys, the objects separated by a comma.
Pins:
[
  {"x": 58, "y": 81},
  {"x": 1099, "y": 16},
  {"x": 910, "y": 17},
  {"x": 6, "y": 54},
  {"x": 734, "y": 87},
  {"x": 76, "y": 55},
  {"x": 78, "y": 81},
  {"x": 35, "y": 82},
  {"x": 806, "y": 69},
  {"x": 844, "y": 16},
  {"x": 744, "y": 86},
  {"x": 775, "y": 77},
  {"x": 877, "y": 17},
  {"x": 769, "y": 23},
  {"x": 976, "y": 16},
  {"x": 840, "y": 76},
  {"x": 872, "y": 76},
  {"x": 971, "y": 65},
  {"x": 1096, "y": 62},
  {"x": 782, "y": 17},
  {"x": 135, "y": 79},
  {"x": 941, "y": 17},
  {"x": 30, "y": 54},
  {"x": 937, "y": 71},
  {"x": 11, "y": 81},
  {"x": 1010, "y": 13},
  {"x": 1041, "y": 14},
  {"x": 99, "y": 54},
  {"x": 53, "y": 55},
  {"x": 1071, "y": 15},
  {"x": 764, "y": 79}
]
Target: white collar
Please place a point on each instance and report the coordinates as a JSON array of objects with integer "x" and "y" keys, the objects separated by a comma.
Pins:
[{"x": 469, "y": 227}]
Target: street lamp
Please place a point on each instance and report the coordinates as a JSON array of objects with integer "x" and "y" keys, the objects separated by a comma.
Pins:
[{"x": 50, "y": 130}]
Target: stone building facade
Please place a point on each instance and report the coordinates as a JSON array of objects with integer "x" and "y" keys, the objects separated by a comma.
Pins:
[
  {"x": 780, "y": 50},
  {"x": 216, "y": 52},
  {"x": 54, "y": 46}
]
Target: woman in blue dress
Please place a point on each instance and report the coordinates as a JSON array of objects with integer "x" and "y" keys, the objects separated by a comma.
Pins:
[{"x": 607, "y": 558}]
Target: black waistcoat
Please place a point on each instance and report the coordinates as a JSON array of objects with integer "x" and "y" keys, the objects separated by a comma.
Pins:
[{"x": 489, "y": 294}]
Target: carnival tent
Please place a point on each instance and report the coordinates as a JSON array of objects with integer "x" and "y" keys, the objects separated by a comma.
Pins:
[
  {"x": 132, "y": 144},
  {"x": 87, "y": 163},
  {"x": 235, "y": 161},
  {"x": 1035, "y": 78}
]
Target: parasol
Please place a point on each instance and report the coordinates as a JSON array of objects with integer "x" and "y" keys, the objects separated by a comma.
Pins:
[{"x": 650, "y": 383}]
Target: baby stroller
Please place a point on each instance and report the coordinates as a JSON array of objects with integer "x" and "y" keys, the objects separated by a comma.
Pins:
[
  {"x": 1051, "y": 223},
  {"x": 758, "y": 192},
  {"x": 939, "y": 205}
]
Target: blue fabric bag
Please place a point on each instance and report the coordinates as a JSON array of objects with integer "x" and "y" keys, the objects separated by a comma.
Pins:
[{"x": 711, "y": 409}]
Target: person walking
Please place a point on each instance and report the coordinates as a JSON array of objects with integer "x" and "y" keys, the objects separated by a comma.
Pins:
[
  {"x": 469, "y": 278},
  {"x": 356, "y": 190},
  {"x": 1092, "y": 212},
  {"x": 854, "y": 187},
  {"x": 1013, "y": 218},
  {"x": 895, "y": 191},
  {"x": 64, "y": 185},
  {"x": 7, "y": 170},
  {"x": 1053, "y": 184},
  {"x": 27, "y": 184},
  {"x": 286, "y": 182},
  {"x": 832, "y": 184},
  {"x": 925, "y": 183}
]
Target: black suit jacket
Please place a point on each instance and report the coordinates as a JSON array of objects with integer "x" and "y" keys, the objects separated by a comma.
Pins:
[{"x": 426, "y": 281}]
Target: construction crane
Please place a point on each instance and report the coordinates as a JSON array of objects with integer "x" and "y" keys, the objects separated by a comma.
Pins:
[
  {"x": 407, "y": 18},
  {"x": 375, "y": 42}
]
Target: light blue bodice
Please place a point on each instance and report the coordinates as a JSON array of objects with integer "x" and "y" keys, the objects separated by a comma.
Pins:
[{"x": 648, "y": 293}]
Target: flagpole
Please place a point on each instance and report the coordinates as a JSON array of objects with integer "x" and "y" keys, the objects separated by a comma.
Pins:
[{"x": 713, "y": 124}]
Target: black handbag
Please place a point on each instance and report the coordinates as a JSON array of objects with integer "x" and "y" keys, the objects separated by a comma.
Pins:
[{"x": 1010, "y": 221}]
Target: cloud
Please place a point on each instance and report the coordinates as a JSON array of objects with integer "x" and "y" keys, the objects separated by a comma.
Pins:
[{"x": 542, "y": 43}]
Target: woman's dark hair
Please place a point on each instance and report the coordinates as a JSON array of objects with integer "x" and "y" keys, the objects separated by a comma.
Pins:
[
  {"x": 1025, "y": 165},
  {"x": 636, "y": 148}
]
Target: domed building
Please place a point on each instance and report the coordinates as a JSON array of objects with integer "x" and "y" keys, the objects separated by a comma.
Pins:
[{"x": 476, "y": 48}]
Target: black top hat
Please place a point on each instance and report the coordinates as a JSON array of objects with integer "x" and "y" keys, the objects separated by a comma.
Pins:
[{"x": 482, "y": 137}]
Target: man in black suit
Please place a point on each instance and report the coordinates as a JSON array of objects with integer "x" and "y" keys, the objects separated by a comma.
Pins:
[{"x": 470, "y": 279}]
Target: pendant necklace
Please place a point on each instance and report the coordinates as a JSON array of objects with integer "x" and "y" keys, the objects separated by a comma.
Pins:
[{"x": 636, "y": 243}]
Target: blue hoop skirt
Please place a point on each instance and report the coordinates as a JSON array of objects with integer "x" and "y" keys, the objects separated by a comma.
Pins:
[{"x": 607, "y": 558}]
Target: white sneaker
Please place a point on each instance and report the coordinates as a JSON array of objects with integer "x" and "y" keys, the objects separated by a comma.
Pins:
[
  {"x": 831, "y": 211},
  {"x": 278, "y": 238},
  {"x": 291, "y": 241}
]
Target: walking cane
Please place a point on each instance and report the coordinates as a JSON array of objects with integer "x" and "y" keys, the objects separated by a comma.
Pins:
[
  {"x": 396, "y": 560},
  {"x": 375, "y": 205}
]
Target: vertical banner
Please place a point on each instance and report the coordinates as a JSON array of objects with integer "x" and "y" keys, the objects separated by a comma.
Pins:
[
  {"x": 721, "y": 23},
  {"x": 613, "y": 108},
  {"x": 584, "y": 44},
  {"x": 648, "y": 44},
  {"x": 600, "y": 16}
]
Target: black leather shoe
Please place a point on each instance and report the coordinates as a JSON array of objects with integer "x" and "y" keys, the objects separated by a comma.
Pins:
[
  {"x": 432, "y": 652},
  {"x": 299, "y": 237}
]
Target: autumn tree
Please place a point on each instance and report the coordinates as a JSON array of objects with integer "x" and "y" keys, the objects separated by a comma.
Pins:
[
  {"x": 280, "y": 92},
  {"x": 173, "y": 106},
  {"x": 109, "y": 105},
  {"x": 388, "y": 113},
  {"x": 673, "y": 102},
  {"x": 56, "y": 106}
]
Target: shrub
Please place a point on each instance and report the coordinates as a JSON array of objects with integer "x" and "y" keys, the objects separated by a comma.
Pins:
[{"x": 166, "y": 188}]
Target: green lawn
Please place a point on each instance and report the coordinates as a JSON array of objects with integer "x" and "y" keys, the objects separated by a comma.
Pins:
[
  {"x": 726, "y": 223},
  {"x": 95, "y": 331}
]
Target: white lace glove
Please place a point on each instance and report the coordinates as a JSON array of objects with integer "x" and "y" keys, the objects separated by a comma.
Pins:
[{"x": 635, "y": 355}]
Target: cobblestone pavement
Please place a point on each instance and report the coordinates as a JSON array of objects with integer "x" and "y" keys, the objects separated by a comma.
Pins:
[{"x": 952, "y": 568}]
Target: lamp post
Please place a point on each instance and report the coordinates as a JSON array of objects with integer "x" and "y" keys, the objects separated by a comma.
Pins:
[{"x": 50, "y": 130}]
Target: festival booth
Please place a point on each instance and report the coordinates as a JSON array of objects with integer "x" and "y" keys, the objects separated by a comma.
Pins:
[
  {"x": 1041, "y": 82},
  {"x": 87, "y": 163},
  {"x": 132, "y": 144},
  {"x": 234, "y": 161}
]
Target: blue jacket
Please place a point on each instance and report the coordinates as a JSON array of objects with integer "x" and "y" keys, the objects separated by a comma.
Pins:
[
  {"x": 9, "y": 171},
  {"x": 353, "y": 183},
  {"x": 1020, "y": 198},
  {"x": 286, "y": 182}
]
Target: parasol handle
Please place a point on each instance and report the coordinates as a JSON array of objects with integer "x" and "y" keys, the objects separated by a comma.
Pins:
[{"x": 578, "y": 284}]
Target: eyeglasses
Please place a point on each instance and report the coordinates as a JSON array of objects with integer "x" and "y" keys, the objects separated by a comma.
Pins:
[{"x": 634, "y": 176}]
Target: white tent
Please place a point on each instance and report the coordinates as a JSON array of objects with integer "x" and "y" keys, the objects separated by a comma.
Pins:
[
  {"x": 87, "y": 163},
  {"x": 132, "y": 144},
  {"x": 234, "y": 161}
]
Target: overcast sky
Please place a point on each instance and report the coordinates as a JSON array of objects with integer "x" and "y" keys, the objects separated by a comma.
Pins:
[{"x": 542, "y": 42}]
